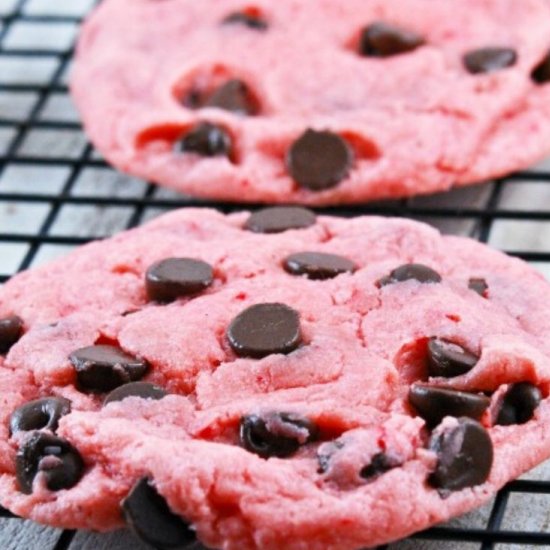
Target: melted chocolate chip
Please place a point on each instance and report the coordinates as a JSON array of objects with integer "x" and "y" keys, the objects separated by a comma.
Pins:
[
  {"x": 277, "y": 219},
  {"x": 207, "y": 140},
  {"x": 41, "y": 414},
  {"x": 248, "y": 19},
  {"x": 479, "y": 285},
  {"x": 144, "y": 390},
  {"x": 379, "y": 464},
  {"x": 319, "y": 160},
  {"x": 234, "y": 96},
  {"x": 518, "y": 404},
  {"x": 147, "y": 513},
  {"x": 276, "y": 434},
  {"x": 173, "y": 278},
  {"x": 58, "y": 461},
  {"x": 104, "y": 368},
  {"x": 434, "y": 404},
  {"x": 464, "y": 456},
  {"x": 410, "y": 272},
  {"x": 11, "y": 329},
  {"x": 447, "y": 359},
  {"x": 488, "y": 60},
  {"x": 317, "y": 265},
  {"x": 264, "y": 329},
  {"x": 384, "y": 40},
  {"x": 541, "y": 73}
]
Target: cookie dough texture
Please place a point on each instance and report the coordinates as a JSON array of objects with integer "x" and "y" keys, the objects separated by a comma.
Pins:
[
  {"x": 362, "y": 347},
  {"x": 416, "y": 122}
]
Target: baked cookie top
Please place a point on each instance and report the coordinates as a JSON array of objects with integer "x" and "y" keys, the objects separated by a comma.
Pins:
[
  {"x": 274, "y": 380},
  {"x": 316, "y": 101}
]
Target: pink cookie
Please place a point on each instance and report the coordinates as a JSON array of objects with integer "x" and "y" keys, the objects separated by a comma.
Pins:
[
  {"x": 271, "y": 381},
  {"x": 316, "y": 102}
]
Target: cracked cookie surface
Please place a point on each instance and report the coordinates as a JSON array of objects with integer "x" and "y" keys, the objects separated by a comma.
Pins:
[
  {"x": 262, "y": 407},
  {"x": 317, "y": 102}
]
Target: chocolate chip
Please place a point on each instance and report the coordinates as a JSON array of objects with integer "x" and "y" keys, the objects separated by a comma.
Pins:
[
  {"x": 173, "y": 278},
  {"x": 41, "y": 414},
  {"x": 207, "y": 140},
  {"x": 518, "y": 404},
  {"x": 410, "y": 272},
  {"x": 104, "y": 368},
  {"x": 464, "y": 456},
  {"x": 319, "y": 160},
  {"x": 250, "y": 20},
  {"x": 317, "y": 265},
  {"x": 384, "y": 40},
  {"x": 277, "y": 219},
  {"x": 379, "y": 464},
  {"x": 234, "y": 96},
  {"x": 479, "y": 285},
  {"x": 264, "y": 329},
  {"x": 147, "y": 513},
  {"x": 145, "y": 390},
  {"x": 488, "y": 60},
  {"x": 6, "y": 514},
  {"x": 276, "y": 434},
  {"x": 11, "y": 329},
  {"x": 448, "y": 359},
  {"x": 58, "y": 461},
  {"x": 541, "y": 73},
  {"x": 434, "y": 404}
]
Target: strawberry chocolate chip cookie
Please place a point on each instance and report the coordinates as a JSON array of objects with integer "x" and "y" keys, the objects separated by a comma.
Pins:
[
  {"x": 271, "y": 380},
  {"x": 316, "y": 102}
]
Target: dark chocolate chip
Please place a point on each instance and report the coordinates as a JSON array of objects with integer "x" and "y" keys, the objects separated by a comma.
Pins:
[
  {"x": 410, "y": 272},
  {"x": 147, "y": 513},
  {"x": 58, "y": 461},
  {"x": 41, "y": 414},
  {"x": 488, "y": 60},
  {"x": 277, "y": 219},
  {"x": 276, "y": 434},
  {"x": 264, "y": 329},
  {"x": 448, "y": 359},
  {"x": 173, "y": 278},
  {"x": 541, "y": 73},
  {"x": 479, "y": 285},
  {"x": 250, "y": 20},
  {"x": 207, "y": 140},
  {"x": 104, "y": 368},
  {"x": 317, "y": 265},
  {"x": 145, "y": 390},
  {"x": 434, "y": 404},
  {"x": 384, "y": 40},
  {"x": 11, "y": 329},
  {"x": 379, "y": 464},
  {"x": 464, "y": 456},
  {"x": 518, "y": 404},
  {"x": 234, "y": 96},
  {"x": 319, "y": 160}
]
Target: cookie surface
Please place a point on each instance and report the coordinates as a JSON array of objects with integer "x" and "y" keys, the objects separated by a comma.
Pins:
[
  {"x": 378, "y": 389},
  {"x": 316, "y": 102}
]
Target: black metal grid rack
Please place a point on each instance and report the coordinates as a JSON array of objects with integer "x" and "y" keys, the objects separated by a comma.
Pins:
[{"x": 51, "y": 178}]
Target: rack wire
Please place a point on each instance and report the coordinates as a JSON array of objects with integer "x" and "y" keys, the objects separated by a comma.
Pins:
[{"x": 56, "y": 192}]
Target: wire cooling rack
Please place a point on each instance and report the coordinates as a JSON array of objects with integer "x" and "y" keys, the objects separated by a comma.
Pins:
[{"x": 57, "y": 193}]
